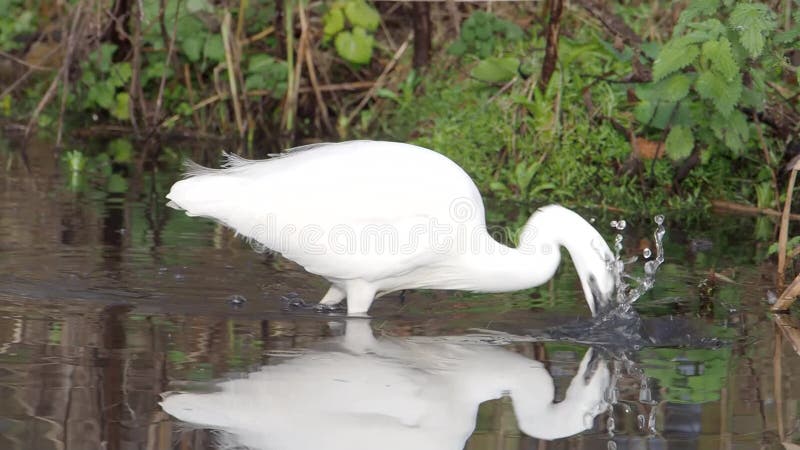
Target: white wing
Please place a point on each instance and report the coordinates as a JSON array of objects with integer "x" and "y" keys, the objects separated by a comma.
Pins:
[{"x": 358, "y": 209}]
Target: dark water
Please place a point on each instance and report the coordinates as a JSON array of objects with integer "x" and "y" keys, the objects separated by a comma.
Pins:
[{"x": 108, "y": 299}]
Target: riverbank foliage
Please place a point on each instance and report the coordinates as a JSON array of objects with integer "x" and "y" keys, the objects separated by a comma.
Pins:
[{"x": 634, "y": 108}]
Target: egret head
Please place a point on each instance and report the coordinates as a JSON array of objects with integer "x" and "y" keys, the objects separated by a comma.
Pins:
[
  {"x": 587, "y": 248},
  {"x": 595, "y": 273}
]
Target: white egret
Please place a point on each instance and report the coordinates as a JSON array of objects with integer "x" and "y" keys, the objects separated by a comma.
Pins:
[
  {"x": 358, "y": 392},
  {"x": 377, "y": 217}
]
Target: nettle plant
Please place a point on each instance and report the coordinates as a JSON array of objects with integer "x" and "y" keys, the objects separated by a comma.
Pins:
[
  {"x": 713, "y": 72},
  {"x": 351, "y": 25}
]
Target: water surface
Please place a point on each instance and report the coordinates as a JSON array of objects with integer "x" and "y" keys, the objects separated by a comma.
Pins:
[{"x": 108, "y": 299}]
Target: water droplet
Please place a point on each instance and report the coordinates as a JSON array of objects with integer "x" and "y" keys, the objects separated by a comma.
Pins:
[
  {"x": 646, "y": 253},
  {"x": 621, "y": 225}
]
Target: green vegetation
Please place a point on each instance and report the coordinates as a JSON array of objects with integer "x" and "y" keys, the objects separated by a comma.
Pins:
[{"x": 711, "y": 86}]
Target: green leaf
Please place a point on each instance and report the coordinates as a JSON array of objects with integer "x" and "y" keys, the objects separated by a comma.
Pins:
[
  {"x": 720, "y": 57},
  {"x": 723, "y": 93},
  {"x": 117, "y": 184},
  {"x": 675, "y": 55},
  {"x": 355, "y": 46},
  {"x": 332, "y": 22},
  {"x": 737, "y": 132},
  {"x": 387, "y": 93},
  {"x": 697, "y": 9},
  {"x": 752, "y": 21},
  {"x": 255, "y": 81},
  {"x": 457, "y": 48},
  {"x": 680, "y": 142},
  {"x": 121, "y": 106},
  {"x": 644, "y": 111},
  {"x": 214, "y": 49},
  {"x": 102, "y": 94},
  {"x": 192, "y": 46},
  {"x": 361, "y": 14},
  {"x": 496, "y": 70},
  {"x": 121, "y": 150},
  {"x": 673, "y": 88},
  {"x": 706, "y": 30},
  {"x": 120, "y": 74},
  {"x": 194, "y": 6}
]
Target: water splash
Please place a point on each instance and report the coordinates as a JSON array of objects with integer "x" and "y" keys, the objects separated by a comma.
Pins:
[{"x": 631, "y": 288}]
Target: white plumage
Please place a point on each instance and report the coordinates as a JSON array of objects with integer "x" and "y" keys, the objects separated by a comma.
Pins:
[
  {"x": 391, "y": 394},
  {"x": 376, "y": 217}
]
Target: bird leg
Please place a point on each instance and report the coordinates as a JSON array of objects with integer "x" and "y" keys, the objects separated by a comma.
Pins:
[
  {"x": 360, "y": 295},
  {"x": 334, "y": 296}
]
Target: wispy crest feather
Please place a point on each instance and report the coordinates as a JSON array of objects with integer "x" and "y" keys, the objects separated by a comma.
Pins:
[{"x": 233, "y": 161}]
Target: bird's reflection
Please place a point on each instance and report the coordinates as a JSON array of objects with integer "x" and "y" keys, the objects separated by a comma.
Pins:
[{"x": 391, "y": 393}]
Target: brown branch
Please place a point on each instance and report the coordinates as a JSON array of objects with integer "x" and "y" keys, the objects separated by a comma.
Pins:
[
  {"x": 312, "y": 76},
  {"x": 226, "y": 40},
  {"x": 551, "y": 49},
  {"x": 67, "y": 63},
  {"x": 25, "y": 63},
  {"x": 421, "y": 16},
  {"x": 783, "y": 235},
  {"x": 379, "y": 82},
  {"x": 258, "y": 36},
  {"x": 170, "y": 49},
  {"x": 726, "y": 206},
  {"x": 27, "y": 74}
]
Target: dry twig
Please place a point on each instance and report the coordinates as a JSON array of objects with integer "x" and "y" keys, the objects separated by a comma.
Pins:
[{"x": 379, "y": 82}]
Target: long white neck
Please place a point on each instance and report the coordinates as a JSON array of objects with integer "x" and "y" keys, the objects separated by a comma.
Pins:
[{"x": 493, "y": 267}]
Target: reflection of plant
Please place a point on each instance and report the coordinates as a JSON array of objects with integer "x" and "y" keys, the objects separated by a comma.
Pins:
[
  {"x": 354, "y": 42},
  {"x": 688, "y": 375},
  {"x": 76, "y": 161},
  {"x": 100, "y": 169}
]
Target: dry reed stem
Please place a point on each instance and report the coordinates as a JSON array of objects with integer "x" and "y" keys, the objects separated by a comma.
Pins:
[
  {"x": 293, "y": 94},
  {"x": 783, "y": 235},
  {"x": 187, "y": 79},
  {"x": 48, "y": 95},
  {"x": 777, "y": 379},
  {"x": 163, "y": 84},
  {"x": 725, "y": 206},
  {"x": 379, "y": 82},
  {"x": 767, "y": 158},
  {"x": 788, "y": 296},
  {"x": 210, "y": 100},
  {"x": 312, "y": 75},
  {"x": 789, "y": 329},
  {"x": 351, "y": 86},
  {"x": 226, "y": 42},
  {"x": 30, "y": 66},
  {"x": 76, "y": 18},
  {"x": 240, "y": 15},
  {"x": 258, "y": 36},
  {"x": 135, "y": 87},
  {"x": 287, "y": 118}
]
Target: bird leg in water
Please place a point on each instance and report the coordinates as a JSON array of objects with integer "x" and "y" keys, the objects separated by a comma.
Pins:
[
  {"x": 334, "y": 296},
  {"x": 360, "y": 295}
]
